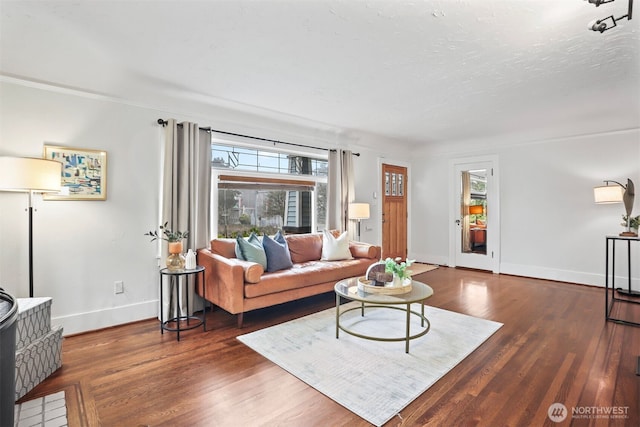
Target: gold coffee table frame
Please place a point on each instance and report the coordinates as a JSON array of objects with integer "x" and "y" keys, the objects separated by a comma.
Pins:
[{"x": 348, "y": 289}]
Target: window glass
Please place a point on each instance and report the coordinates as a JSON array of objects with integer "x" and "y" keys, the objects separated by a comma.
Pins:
[{"x": 264, "y": 207}]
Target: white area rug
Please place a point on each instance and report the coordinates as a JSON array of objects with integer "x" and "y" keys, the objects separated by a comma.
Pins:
[
  {"x": 373, "y": 379},
  {"x": 49, "y": 411}
]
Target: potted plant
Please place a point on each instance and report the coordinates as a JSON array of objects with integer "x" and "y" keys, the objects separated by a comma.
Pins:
[
  {"x": 175, "y": 260},
  {"x": 634, "y": 222},
  {"x": 399, "y": 270}
]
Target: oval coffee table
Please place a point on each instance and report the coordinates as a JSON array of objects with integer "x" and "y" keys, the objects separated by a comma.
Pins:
[{"x": 348, "y": 289}]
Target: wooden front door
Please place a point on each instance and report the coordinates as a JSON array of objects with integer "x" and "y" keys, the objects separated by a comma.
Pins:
[{"x": 394, "y": 211}]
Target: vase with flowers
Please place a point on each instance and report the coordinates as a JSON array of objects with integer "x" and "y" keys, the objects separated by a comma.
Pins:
[
  {"x": 175, "y": 260},
  {"x": 399, "y": 269}
]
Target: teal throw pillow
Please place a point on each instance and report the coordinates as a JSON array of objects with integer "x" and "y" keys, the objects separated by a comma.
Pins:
[
  {"x": 278, "y": 256},
  {"x": 251, "y": 250}
]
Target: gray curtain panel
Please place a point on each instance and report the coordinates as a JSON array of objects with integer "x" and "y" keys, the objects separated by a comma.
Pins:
[
  {"x": 340, "y": 191},
  {"x": 186, "y": 194}
]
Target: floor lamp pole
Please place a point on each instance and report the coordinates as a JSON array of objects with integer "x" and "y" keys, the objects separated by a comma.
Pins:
[
  {"x": 31, "y": 175},
  {"x": 30, "y": 244}
]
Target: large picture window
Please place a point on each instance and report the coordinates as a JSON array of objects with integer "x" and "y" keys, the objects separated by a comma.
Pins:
[{"x": 265, "y": 191}]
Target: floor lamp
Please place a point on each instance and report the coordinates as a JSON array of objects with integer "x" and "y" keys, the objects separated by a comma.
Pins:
[
  {"x": 358, "y": 211},
  {"x": 29, "y": 175}
]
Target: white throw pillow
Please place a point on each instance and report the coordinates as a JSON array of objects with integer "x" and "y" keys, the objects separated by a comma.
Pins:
[{"x": 335, "y": 249}]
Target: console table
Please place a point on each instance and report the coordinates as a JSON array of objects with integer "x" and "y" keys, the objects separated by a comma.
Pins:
[
  {"x": 175, "y": 277},
  {"x": 628, "y": 292},
  {"x": 610, "y": 260}
]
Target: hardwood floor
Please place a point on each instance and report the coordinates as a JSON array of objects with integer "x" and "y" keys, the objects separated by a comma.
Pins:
[{"x": 554, "y": 347}]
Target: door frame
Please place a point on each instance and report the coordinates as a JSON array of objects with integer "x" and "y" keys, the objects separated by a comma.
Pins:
[
  {"x": 378, "y": 199},
  {"x": 493, "y": 220}
]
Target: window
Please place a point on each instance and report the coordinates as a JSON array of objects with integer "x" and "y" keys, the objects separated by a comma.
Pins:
[{"x": 264, "y": 191}]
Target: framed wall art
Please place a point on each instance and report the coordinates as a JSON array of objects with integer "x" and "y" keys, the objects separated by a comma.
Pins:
[{"x": 84, "y": 173}]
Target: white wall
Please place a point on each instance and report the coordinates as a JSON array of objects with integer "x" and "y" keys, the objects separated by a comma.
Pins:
[
  {"x": 82, "y": 247},
  {"x": 550, "y": 226}
]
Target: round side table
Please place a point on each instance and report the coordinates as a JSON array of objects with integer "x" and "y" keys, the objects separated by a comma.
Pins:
[{"x": 176, "y": 278}]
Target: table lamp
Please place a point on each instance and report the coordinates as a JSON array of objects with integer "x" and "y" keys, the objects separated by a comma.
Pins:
[{"x": 618, "y": 193}]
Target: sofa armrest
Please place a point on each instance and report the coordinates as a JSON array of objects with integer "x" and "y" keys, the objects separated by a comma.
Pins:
[
  {"x": 224, "y": 281},
  {"x": 364, "y": 250}
]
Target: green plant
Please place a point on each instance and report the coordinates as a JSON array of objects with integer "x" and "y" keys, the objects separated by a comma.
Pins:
[
  {"x": 397, "y": 267},
  {"x": 634, "y": 222},
  {"x": 244, "y": 219},
  {"x": 167, "y": 234}
]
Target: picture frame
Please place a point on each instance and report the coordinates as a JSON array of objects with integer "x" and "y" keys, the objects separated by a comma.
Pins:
[{"x": 84, "y": 173}]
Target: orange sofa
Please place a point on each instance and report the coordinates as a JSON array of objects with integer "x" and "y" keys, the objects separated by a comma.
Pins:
[{"x": 239, "y": 286}]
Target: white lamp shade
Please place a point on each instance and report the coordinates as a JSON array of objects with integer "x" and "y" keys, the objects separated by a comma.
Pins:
[
  {"x": 359, "y": 210},
  {"x": 608, "y": 194},
  {"x": 30, "y": 174}
]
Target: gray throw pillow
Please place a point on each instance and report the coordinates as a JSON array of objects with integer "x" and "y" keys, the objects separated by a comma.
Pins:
[{"x": 278, "y": 256}]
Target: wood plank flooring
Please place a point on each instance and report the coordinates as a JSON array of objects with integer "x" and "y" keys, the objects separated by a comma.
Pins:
[{"x": 554, "y": 347}]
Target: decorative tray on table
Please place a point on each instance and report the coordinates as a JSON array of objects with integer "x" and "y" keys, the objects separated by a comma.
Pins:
[
  {"x": 377, "y": 281},
  {"x": 388, "y": 288}
]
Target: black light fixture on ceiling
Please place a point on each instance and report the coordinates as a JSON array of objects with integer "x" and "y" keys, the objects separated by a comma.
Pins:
[{"x": 609, "y": 22}]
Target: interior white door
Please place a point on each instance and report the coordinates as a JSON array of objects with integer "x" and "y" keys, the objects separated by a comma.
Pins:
[{"x": 475, "y": 216}]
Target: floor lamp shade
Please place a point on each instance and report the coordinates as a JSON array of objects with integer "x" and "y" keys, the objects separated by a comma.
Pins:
[
  {"x": 29, "y": 174},
  {"x": 33, "y": 176},
  {"x": 359, "y": 210}
]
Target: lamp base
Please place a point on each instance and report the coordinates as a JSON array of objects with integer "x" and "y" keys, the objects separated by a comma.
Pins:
[{"x": 629, "y": 234}]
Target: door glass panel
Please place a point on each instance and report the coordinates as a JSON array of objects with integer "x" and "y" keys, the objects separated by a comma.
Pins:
[
  {"x": 473, "y": 211},
  {"x": 394, "y": 191},
  {"x": 387, "y": 184}
]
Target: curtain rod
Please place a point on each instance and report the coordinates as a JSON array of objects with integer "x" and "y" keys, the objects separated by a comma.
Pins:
[{"x": 165, "y": 122}]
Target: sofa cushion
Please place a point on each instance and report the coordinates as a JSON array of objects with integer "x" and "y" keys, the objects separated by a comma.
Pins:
[
  {"x": 251, "y": 250},
  {"x": 304, "y": 247},
  {"x": 224, "y": 247},
  {"x": 307, "y": 274},
  {"x": 335, "y": 248},
  {"x": 277, "y": 252}
]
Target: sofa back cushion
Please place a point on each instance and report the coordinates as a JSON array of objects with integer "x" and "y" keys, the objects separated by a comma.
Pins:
[
  {"x": 224, "y": 247},
  {"x": 304, "y": 247}
]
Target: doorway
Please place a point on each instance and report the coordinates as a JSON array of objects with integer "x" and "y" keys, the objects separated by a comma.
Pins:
[
  {"x": 394, "y": 211},
  {"x": 475, "y": 215}
]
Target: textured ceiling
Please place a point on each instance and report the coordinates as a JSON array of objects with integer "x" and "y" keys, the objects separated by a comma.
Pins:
[{"x": 420, "y": 71}]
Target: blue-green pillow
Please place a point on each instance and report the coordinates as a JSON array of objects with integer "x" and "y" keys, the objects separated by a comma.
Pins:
[
  {"x": 278, "y": 256},
  {"x": 251, "y": 250}
]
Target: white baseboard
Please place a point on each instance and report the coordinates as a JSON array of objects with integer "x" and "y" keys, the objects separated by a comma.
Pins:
[
  {"x": 593, "y": 279},
  {"x": 89, "y": 321},
  {"x": 429, "y": 259},
  {"x": 537, "y": 272}
]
